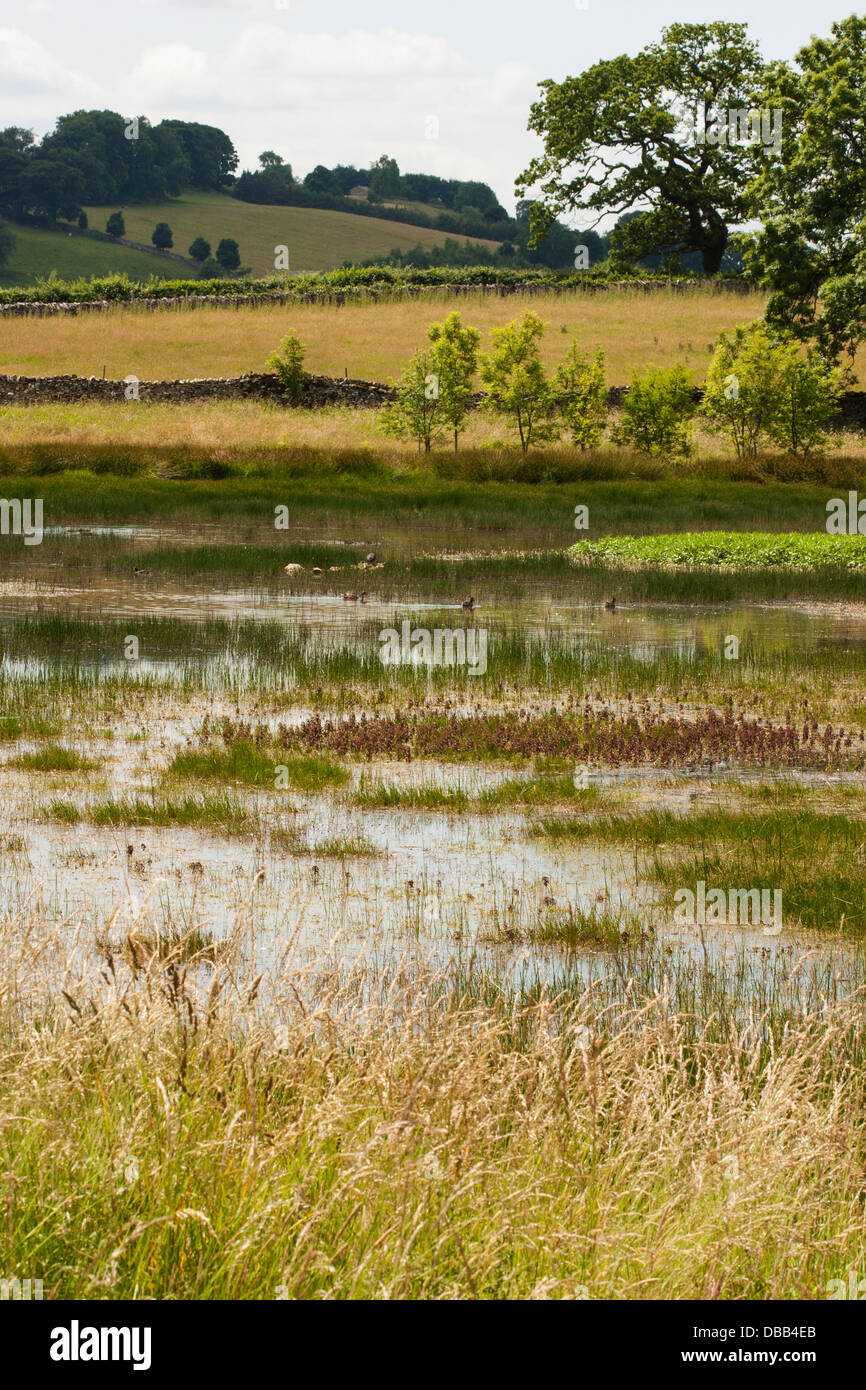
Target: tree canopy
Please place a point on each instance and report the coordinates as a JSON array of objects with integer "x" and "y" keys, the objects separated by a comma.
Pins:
[{"x": 811, "y": 251}]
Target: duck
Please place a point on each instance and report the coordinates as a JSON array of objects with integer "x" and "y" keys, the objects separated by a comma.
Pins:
[
  {"x": 468, "y": 603},
  {"x": 355, "y": 598},
  {"x": 610, "y": 604},
  {"x": 371, "y": 558},
  {"x": 140, "y": 574}
]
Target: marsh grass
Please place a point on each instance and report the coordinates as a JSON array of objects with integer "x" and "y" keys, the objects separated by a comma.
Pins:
[
  {"x": 223, "y": 815},
  {"x": 190, "y": 946},
  {"x": 301, "y": 663},
  {"x": 817, "y": 859},
  {"x": 253, "y": 1138},
  {"x": 16, "y": 726},
  {"x": 55, "y": 758},
  {"x": 344, "y": 847},
  {"x": 244, "y": 762}
]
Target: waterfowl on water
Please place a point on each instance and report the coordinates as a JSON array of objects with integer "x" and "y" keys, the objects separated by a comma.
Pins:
[
  {"x": 140, "y": 574},
  {"x": 355, "y": 598},
  {"x": 468, "y": 603},
  {"x": 610, "y": 604}
]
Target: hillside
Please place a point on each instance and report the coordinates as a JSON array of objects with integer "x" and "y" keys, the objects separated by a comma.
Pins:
[
  {"x": 317, "y": 240},
  {"x": 37, "y": 253}
]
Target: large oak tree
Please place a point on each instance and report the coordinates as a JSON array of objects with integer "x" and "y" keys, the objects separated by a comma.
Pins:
[{"x": 625, "y": 135}]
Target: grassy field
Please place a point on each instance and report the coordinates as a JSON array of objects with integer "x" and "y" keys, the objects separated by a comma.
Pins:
[
  {"x": 371, "y": 341},
  {"x": 38, "y": 253},
  {"x": 317, "y": 239}
]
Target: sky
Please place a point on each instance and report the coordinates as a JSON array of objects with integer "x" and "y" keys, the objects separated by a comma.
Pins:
[{"x": 444, "y": 88}]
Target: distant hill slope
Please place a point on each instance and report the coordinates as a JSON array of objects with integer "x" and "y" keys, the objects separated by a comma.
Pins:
[
  {"x": 317, "y": 239},
  {"x": 37, "y": 253}
]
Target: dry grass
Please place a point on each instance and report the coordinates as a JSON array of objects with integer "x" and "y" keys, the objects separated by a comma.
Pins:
[
  {"x": 191, "y": 1132},
  {"x": 252, "y": 433},
  {"x": 370, "y": 341}
]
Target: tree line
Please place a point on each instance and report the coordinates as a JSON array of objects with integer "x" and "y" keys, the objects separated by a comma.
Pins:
[{"x": 103, "y": 157}]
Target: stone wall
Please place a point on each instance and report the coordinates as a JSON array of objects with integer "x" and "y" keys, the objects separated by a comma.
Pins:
[
  {"x": 319, "y": 390},
  {"x": 368, "y": 294},
  {"x": 264, "y": 386}
]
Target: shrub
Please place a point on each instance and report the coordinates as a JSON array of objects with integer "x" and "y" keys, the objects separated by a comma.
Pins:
[
  {"x": 581, "y": 396},
  {"x": 288, "y": 364},
  {"x": 162, "y": 237},
  {"x": 211, "y": 270},
  {"x": 115, "y": 226},
  {"x": 656, "y": 412},
  {"x": 82, "y": 221},
  {"x": 516, "y": 384},
  {"x": 760, "y": 384}
]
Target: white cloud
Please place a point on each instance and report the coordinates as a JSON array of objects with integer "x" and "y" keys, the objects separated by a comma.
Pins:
[{"x": 26, "y": 67}]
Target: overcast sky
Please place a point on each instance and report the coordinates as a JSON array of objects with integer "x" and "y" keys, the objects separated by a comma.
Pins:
[{"x": 339, "y": 82}]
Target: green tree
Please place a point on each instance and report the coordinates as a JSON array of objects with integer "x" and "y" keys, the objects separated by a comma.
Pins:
[
  {"x": 516, "y": 384},
  {"x": 581, "y": 396},
  {"x": 811, "y": 252},
  {"x": 455, "y": 362},
  {"x": 228, "y": 254},
  {"x": 200, "y": 249},
  {"x": 417, "y": 411},
  {"x": 653, "y": 130},
  {"x": 761, "y": 384},
  {"x": 288, "y": 364},
  {"x": 385, "y": 177},
  {"x": 115, "y": 226},
  {"x": 211, "y": 269},
  {"x": 162, "y": 237},
  {"x": 656, "y": 411}
]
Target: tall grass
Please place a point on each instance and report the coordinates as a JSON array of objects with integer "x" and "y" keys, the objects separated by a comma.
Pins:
[{"x": 173, "y": 1130}]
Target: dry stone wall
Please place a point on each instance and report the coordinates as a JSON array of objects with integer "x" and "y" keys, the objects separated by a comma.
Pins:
[
  {"x": 318, "y": 390},
  {"x": 264, "y": 386}
]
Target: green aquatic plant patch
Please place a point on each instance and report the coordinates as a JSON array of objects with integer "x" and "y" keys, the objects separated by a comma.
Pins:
[{"x": 730, "y": 550}]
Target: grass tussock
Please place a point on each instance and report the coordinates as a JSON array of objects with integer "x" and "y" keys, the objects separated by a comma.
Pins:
[
  {"x": 173, "y": 1134},
  {"x": 221, "y": 814},
  {"x": 55, "y": 758}
]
